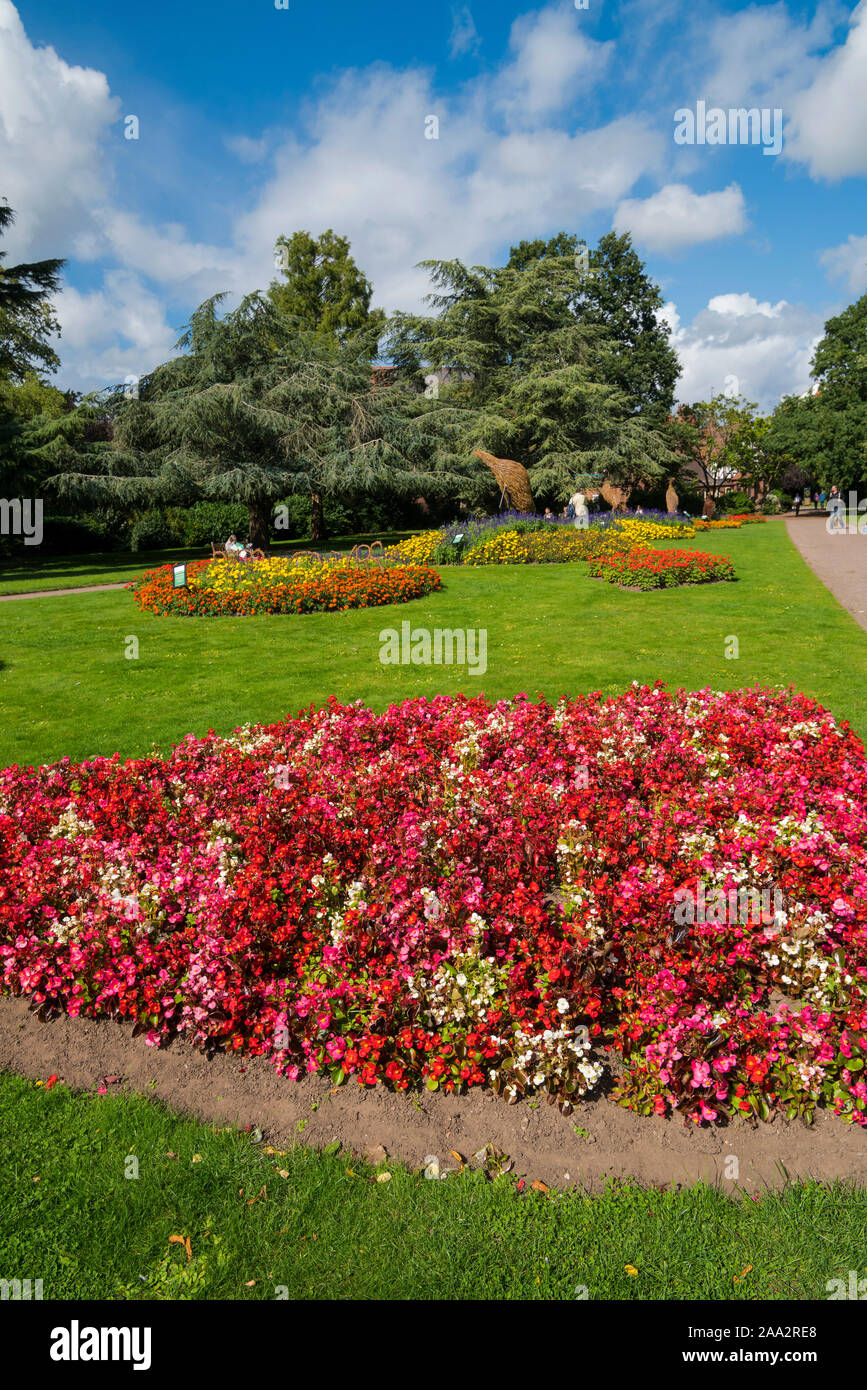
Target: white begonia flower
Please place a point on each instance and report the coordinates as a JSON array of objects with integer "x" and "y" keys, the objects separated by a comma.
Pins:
[{"x": 563, "y": 1006}]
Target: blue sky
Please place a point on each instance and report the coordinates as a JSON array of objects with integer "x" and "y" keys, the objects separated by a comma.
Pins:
[{"x": 255, "y": 120}]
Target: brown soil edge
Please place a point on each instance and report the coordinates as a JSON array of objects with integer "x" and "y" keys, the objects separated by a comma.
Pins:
[{"x": 541, "y": 1142}]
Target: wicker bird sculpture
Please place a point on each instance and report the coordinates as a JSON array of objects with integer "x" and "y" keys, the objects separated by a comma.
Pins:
[{"x": 513, "y": 479}]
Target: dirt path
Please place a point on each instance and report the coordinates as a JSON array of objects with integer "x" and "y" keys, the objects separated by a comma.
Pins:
[
  {"x": 53, "y": 593},
  {"x": 839, "y": 560},
  {"x": 609, "y": 1142}
]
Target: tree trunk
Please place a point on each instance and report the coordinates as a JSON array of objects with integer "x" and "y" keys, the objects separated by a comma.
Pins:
[
  {"x": 317, "y": 518},
  {"x": 260, "y": 525}
]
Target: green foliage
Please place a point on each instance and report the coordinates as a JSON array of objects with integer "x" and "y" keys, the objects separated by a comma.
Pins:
[
  {"x": 726, "y": 438},
  {"x": 252, "y": 411},
  {"x": 152, "y": 531},
  {"x": 31, "y": 397},
  {"x": 205, "y": 522},
  {"x": 27, "y": 318},
  {"x": 823, "y": 434},
  {"x": 324, "y": 291},
  {"x": 555, "y": 365},
  {"x": 734, "y": 503}
]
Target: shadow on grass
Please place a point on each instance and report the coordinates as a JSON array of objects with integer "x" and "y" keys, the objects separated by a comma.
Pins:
[{"x": 60, "y": 566}]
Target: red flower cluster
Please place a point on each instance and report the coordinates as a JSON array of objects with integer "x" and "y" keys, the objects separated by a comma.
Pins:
[
  {"x": 454, "y": 894},
  {"x": 643, "y": 568}
]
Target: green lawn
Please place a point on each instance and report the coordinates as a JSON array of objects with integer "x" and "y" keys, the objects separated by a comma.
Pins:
[
  {"x": 329, "y": 1230},
  {"x": 66, "y": 687}
]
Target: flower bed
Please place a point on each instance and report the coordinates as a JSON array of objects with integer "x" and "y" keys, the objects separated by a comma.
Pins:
[
  {"x": 219, "y": 587},
  {"x": 556, "y": 546},
  {"x": 636, "y": 530},
  {"x": 727, "y": 523},
  {"x": 643, "y": 568},
  {"x": 513, "y": 540},
  {"x": 454, "y": 894}
]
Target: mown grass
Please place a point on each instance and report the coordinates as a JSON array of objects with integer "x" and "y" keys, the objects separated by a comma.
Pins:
[
  {"x": 329, "y": 1230},
  {"x": 68, "y": 688}
]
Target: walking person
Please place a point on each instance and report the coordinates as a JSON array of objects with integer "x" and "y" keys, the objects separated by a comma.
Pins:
[
  {"x": 796, "y": 503},
  {"x": 580, "y": 510},
  {"x": 836, "y": 511}
]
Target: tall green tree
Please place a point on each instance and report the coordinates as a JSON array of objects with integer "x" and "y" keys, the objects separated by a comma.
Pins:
[
  {"x": 252, "y": 411},
  {"x": 27, "y": 317},
  {"x": 726, "y": 439},
  {"x": 825, "y": 432},
  {"x": 325, "y": 293},
  {"x": 26, "y": 408},
  {"x": 620, "y": 298},
  {"x": 323, "y": 290},
  {"x": 530, "y": 355}
]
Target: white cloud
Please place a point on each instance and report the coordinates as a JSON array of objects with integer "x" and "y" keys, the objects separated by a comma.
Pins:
[
  {"x": 366, "y": 167},
  {"x": 552, "y": 60},
  {"x": 247, "y": 150},
  {"x": 464, "y": 36},
  {"x": 53, "y": 120},
  {"x": 117, "y": 331},
  {"x": 848, "y": 262},
  {"x": 675, "y": 217},
  {"x": 744, "y": 306},
  {"x": 762, "y": 56},
  {"x": 165, "y": 255},
  {"x": 755, "y": 349},
  {"x": 829, "y": 117}
]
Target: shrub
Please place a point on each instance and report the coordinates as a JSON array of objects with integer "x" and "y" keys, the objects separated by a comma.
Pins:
[
  {"x": 152, "y": 531},
  {"x": 207, "y": 521},
  {"x": 738, "y": 501}
]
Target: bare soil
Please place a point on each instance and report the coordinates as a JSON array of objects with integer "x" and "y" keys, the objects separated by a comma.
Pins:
[{"x": 541, "y": 1142}]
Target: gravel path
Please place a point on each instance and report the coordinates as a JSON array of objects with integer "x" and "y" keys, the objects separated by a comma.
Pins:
[
  {"x": 52, "y": 593},
  {"x": 839, "y": 560}
]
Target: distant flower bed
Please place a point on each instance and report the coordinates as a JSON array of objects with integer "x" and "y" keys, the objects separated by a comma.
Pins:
[
  {"x": 219, "y": 587},
  {"x": 642, "y": 568},
  {"x": 727, "y": 523},
  {"x": 555, "y": 546},
  {"x": 532, "y": 540},
  {"x": 637, "y": 529}
]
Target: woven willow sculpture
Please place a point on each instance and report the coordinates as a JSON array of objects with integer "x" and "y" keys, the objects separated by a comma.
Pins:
[{"x": 513, "y": 479}]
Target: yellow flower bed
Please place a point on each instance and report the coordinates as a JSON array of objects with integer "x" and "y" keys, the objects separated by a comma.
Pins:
[
  {"x": 636, "y": 530},
  {"x": 556, "y": 545},
  {"x": 418, "y": 550},
  {"x": 223, "y": 576}
]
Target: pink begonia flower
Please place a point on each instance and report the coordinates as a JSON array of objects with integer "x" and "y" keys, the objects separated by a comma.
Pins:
[{"x": 700, "y": 1073}]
